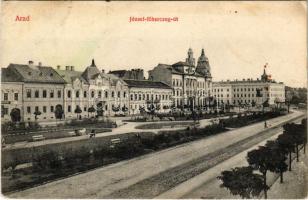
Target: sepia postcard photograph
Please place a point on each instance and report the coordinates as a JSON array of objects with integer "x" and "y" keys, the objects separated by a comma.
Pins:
[{"x": 153, "y": 99}]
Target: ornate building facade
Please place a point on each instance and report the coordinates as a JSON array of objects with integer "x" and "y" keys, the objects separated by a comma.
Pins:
[
  {"x": 191, "y": 84},
  {"x": 32, "y": 89}
]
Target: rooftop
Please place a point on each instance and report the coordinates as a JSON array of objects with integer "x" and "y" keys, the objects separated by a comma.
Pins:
[
  {"x": 36, "y": 74},
  {"x": 146, "y": 84}
]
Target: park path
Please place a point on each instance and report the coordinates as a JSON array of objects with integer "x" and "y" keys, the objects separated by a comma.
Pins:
[
  {"x": 129, "y": 127},
  {"x": 106, "y": 180}
]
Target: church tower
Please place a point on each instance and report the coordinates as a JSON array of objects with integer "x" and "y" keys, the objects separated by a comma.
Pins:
[
  {"x": 203, "y": 66},
  {"x": 190, "y": 57}
]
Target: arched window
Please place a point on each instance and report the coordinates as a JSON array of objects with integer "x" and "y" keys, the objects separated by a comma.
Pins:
[
  {"x": 69, "y": 94},
  {"x": 77, "y": 94}
]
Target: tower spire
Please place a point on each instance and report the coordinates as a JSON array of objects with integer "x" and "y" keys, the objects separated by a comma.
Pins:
[
  {"x": 93, "y": 63},
  {"x": 202, "y": 52}
]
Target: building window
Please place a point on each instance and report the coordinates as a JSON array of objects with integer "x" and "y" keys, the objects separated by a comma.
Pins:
[
  {"x": 28, "y": 109},
  {"x": 139, "y": 97},
  {"x": 148, "y": 97},
  {"x": 99, "y": 94},
  {"x": 51, "y": 94},
  {"x": 92, "y": 94},
  {"x": 106, "y": 94},
  {"x": 5, "y": 111},
  {"x": 51, "y": 109},
  {"x": 124, "y": 94},
  {"x": 28, "y": 91},
  {"x": 77, "y": 94},
  {"x": 136, "y": 97},
  {"x": 44, "y": 109},
  {"x": 59, "y": 93},
  {"x": 112, "y": 94},
  {"x": 131, "y": 97},
  {"x": 36, "y": 108},
  {"x": 44, "y": 93},
  {"x": 143, "y": 97},
  {"x": 5, "y": 96},
  {"x": 85, "y": 94},
  {"x": 69, "y": 94},
  {"x": 106, "y": 107},
  {"x": 69, "y": 108},
  {"x": 119, "y": 94},
  {"x": 16, "y": 96},
  {"x": 85, "y": 109},
  {"x": 36, "y": 94}
]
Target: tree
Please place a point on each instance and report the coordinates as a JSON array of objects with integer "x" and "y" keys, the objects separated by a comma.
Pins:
[
  {"x": 265, "y": 104},
  {"x": 286, "y": 143},
  {"x": 58, "y": 112},
  {"x": 116, "y": 109},
  {"x": 242, "y": 181},
  {"x": 151, "y": 109},
  {"x": 157, "y": 107},
  {"x": 295, "y": 131},
  {"x": 15, "y": 115},
  {"x": 278, "y": 158},
  {"x": 91, "y": 109},
  {"x": 260, "y": 159},
  {"x": 124, "y": 109},
  {"x": 78, "y": 110},
  {"x": 141, "y": 110},
  {"x": 36, "y": 113},
  {"x": 99, "y": 109},
  {"x": 253, "y": 103},
  {"x": 304, "y": 127}
]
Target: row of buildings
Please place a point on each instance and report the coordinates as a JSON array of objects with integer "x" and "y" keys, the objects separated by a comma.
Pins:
[{"x": 36, "y": 92}]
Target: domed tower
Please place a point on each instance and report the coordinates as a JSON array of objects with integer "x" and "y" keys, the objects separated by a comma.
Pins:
[
  {"x": 203, "y": 66},
  {"x": 190, "y": 57}
]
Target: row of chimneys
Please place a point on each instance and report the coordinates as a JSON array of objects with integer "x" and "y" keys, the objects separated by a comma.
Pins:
[
  {"x": 249, "y": 79},
  {"x": 31, "y": 63},
  {"x": 67, "y": 68}
]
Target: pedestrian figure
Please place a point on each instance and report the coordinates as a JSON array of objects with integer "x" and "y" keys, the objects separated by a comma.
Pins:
[
  {"x": 265, "y": 124},
  {"x": 92, "y": 134}
]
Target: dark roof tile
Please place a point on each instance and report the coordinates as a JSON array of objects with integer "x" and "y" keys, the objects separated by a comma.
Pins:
[{"x": 146, "y": 84}]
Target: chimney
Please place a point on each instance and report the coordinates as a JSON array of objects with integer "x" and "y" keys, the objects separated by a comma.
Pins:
[
  {"x": 58, "y": 67},
  {"x": 31, "y": 65},
  {"x": 72, "y": 68},
  {"x": 40, "y": 64},
  {"x": 67, "y": 68}
]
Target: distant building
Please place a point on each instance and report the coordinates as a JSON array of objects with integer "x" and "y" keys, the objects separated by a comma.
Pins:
[
  {"x": 249, "y": 91},
  {"x": 135, "y": 74},
  {"x": 145, "y": 93},
  {"x": 191, "y": 84}
]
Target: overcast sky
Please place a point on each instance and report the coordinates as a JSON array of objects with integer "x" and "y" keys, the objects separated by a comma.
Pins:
[{"x": 238, "y": 37}]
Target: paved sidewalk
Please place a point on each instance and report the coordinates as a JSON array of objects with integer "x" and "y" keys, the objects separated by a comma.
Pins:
[{"x": 295, "y": 185}]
